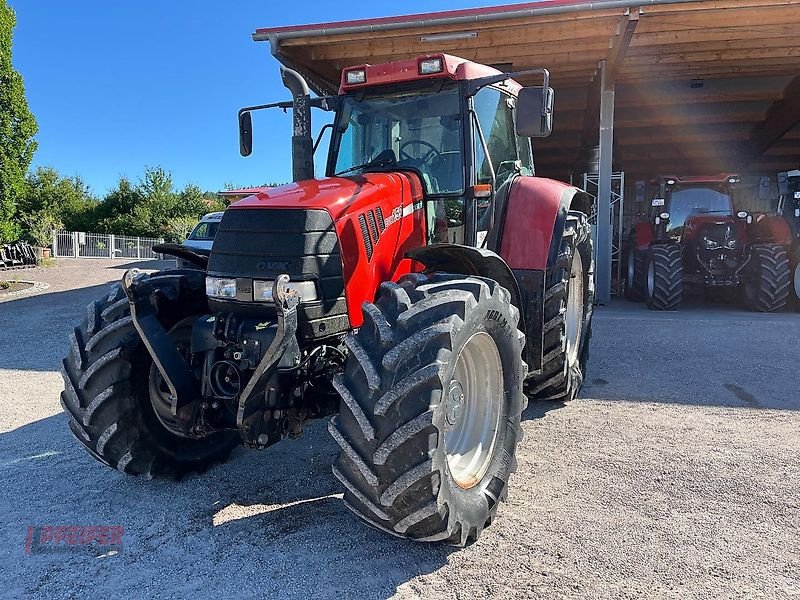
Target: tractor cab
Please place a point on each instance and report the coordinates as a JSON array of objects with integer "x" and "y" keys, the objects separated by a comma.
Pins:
[
  {"x": 463, "y": 129},
  {"x": 680, "y": 207}
]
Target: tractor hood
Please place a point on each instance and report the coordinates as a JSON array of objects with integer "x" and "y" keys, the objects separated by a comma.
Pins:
[
  {"x": 340, "y": 196},
  {"x": 696, "y": 221}
]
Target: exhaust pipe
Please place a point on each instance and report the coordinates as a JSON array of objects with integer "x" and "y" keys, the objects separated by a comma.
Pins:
[{"x": 302, "y": 143}]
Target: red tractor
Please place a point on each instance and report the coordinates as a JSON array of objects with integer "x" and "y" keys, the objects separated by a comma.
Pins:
[
  {"x": 416, "y": 292},
  {"x": 789, "y": 209},
  {"x": 694, "y": 237}
]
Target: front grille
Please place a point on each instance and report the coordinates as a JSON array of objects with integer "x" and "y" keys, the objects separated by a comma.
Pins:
[{"x": 263, "y": 243}]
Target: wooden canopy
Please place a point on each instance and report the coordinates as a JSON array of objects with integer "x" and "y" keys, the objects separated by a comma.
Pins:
[{"x": 701, "y": 85}]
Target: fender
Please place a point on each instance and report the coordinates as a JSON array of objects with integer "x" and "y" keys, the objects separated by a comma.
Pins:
[
  {"x": 466, "y": 260},
  {"x": 196, "y": 256},
  {"x": 766, "y": 228},
  {"x": 643, "y": 236},
  {"x": 535, "y": 215}
]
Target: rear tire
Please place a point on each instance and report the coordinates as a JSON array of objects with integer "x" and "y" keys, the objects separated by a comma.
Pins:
[
  {"x": 570, "y": 281},
  {"x": 107, "y": 387},
  {"x": 635, "y": 275},
  {"x": 409, "y": 464},
  {"x": 664, "y": 279},
  {"x": 768, "y": 282}
]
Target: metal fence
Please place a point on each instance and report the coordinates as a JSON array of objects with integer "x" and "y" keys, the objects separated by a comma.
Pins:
[{"x": 78, "y": 244}]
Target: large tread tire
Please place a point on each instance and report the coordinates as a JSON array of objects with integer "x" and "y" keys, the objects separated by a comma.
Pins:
[
  {"x": 393, "y": 462},
  {"x": 664, "y": 278},
  {"x": 768, "y": 282},
  {"x": 107, "y": 387},
  {"x": 635, "y": 275},
  {"x": 559, "y": 380},
  {"x": 795, "y": 287}
]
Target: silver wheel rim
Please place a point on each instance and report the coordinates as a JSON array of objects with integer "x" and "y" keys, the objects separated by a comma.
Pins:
[
  {"x": 651, "y": 279},
  {"x": 797, "y": 282},
  {"x": 631, "y": 268},
  {"x": 472, "y": 410},
  {"x": 574, "y": 316}
]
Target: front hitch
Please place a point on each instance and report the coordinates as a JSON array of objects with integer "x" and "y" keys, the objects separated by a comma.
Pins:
[
  {"x": 184, "y": 388},
  {"x": 249, "y": 417}
]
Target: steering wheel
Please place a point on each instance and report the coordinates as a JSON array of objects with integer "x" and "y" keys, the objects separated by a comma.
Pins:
[{"x": 433, "y": 151}]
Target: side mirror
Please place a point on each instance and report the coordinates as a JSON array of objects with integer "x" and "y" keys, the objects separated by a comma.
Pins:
[
  {"x": 535, "y": 112},
  {"x": 245, "y": 133}
]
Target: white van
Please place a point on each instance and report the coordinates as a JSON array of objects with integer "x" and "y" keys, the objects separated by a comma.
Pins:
[{"x": 202, "y": 236}]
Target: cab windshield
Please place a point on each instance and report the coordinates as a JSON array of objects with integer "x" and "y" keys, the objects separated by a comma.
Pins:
[
  {"x": 420, "y": 131},
  {"x": 688, "y": 201}
]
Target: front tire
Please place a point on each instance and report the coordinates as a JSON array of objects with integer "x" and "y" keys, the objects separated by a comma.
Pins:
[
  {"x": 431, "y": 405},
  {"x": 665, "y": 277},
  {"x": 766, "y": 288},
  {"x": 108, "y": 387}
]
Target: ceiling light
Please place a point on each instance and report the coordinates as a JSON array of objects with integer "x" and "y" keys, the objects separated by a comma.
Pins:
[{"x": 449, "y": 37}]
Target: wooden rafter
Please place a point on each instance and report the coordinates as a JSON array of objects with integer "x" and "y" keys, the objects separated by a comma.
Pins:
[{"x": 781, "y": 117}]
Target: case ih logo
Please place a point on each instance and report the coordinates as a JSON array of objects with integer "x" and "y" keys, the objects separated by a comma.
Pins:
[
  {"x": 273, "y": 266},
  {"x": 58, "y": 538}
]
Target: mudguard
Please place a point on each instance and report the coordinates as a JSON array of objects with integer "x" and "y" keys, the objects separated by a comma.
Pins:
[
  {"x": 770, "y": 229},
  {"x": 466, "y": 260},
  {"x": 534, "y": 215}
]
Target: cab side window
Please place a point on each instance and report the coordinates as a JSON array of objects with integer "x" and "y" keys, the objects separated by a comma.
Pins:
[{"x": 496, "y": 118}]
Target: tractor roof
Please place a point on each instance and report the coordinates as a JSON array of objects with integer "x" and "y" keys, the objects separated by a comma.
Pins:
[{"x": 452, "y": 67}]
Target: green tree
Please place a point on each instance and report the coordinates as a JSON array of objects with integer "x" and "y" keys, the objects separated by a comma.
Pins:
[
  {"x": 66, "y": 199},
  {"x": 17, "y": 128}
]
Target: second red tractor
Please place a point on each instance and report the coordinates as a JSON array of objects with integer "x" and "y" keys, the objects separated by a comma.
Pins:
[{"x": 693, "y": 237}]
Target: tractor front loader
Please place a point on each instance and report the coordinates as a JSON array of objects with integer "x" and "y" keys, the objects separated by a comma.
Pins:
[{"x": 416, "y": 292}]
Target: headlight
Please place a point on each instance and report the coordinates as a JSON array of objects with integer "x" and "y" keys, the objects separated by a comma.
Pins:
[
  {"x": 262, "y": 290},
  {"x": 220, "y": 287},
  {"x": 710, "y": 244},
  {"x": 731, "y": 244}
]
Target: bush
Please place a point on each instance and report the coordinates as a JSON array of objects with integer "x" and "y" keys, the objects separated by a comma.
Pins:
[{"x": 40, "y": 227}]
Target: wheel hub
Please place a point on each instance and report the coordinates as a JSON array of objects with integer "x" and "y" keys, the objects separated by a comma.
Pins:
[{"x": 453, "y": 405}]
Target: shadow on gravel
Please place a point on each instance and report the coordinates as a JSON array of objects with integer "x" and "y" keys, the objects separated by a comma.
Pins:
[
  {"x": 539, "y": 408},
  {"x": 267, "y": 524},
  {"x": 35, "y": 329}
]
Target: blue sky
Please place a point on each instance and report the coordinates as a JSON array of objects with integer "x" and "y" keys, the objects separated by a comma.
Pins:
[{"x": 118, "y": 85}]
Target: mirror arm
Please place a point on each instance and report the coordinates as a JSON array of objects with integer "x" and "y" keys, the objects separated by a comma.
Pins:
[
  {"x": 326, "y": 103},
  {"x": 476, "y": 84},
  {"x": 321, "y": 133}
]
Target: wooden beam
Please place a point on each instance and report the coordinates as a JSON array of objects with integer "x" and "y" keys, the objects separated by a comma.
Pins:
[
  {"x": 781, "y": 117},
  {"x": 620, "y": 45}
]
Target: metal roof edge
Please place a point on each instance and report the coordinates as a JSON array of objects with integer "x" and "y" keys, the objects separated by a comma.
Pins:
[{"x": 455, "y": 17}]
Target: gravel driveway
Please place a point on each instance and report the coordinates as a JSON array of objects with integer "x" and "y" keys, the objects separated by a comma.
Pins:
[{"x": 676, "y": 475}]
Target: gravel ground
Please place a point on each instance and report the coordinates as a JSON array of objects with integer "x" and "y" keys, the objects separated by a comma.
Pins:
[{"x": 676, "y": 475}]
